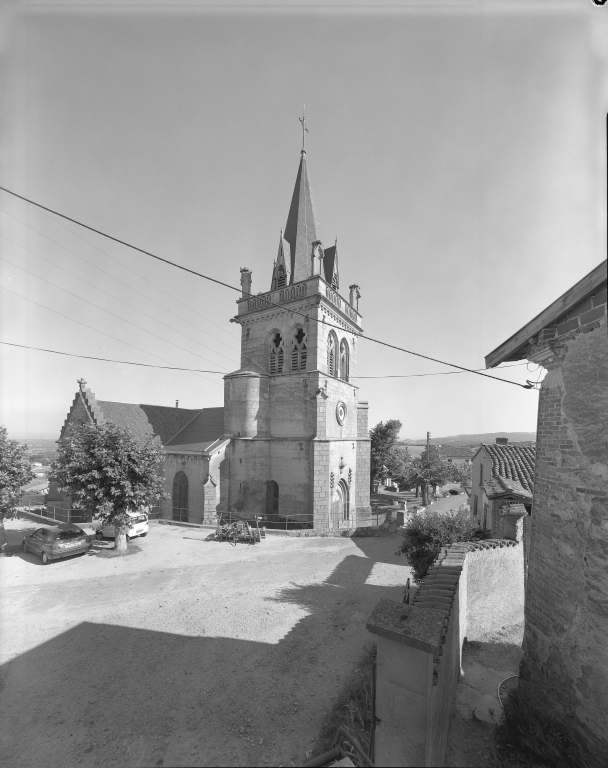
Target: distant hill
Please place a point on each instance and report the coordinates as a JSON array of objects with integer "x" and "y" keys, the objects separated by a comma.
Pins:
[{"x": 486, "y": 437}]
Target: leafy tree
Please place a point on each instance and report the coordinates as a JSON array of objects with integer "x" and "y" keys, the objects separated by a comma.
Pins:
[
  {"x": 425, "y": 535},
  {"x": 108, "y": 473},
  {"x": 460, "y": 473},
  {"x": 15, "y": 471},
  {"x": 384, "y": 454}
]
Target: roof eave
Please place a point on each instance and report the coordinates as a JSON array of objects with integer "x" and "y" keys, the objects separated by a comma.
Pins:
[{"x": 514, "y": 347}]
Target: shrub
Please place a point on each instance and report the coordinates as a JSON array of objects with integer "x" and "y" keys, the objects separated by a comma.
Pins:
[{"x": 424, "y": 536}]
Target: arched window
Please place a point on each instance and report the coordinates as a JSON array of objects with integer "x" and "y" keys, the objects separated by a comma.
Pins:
[
  {"x": 281, "y": 276},
  {"x": 276, "y": 353},
  {"x": 180, "y": 497},
  {"x": 332, "y": 354},
  {"x": 298, "y": 351},
  {"x": 272, "y": 499},
  {"x": 344, "y": 360}
]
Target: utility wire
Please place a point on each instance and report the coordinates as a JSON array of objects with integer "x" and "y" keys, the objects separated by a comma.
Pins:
[
  {"x": 122, "y": 282},
  {"x": 267, "y": 302},
  {"x": 97, "y": 306},
  {"x": 97, "y": 288},
  {"x": 107, "y": 360},
  {"x": 90, "y": 327}
]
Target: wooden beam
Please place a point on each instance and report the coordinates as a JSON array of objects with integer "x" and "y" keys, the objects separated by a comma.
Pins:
[{"x": 511, "y": 349}]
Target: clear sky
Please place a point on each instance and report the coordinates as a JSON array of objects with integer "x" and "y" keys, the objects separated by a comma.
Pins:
[{"x": 457, "y": 154}]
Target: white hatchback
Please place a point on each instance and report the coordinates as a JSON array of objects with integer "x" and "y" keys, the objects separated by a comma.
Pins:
[{"x": 138, "y": 526}]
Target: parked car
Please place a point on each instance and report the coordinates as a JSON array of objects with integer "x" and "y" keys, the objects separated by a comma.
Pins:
[
  {"x": 53, "y": 543},
  {"x": 138, "y": 526}
]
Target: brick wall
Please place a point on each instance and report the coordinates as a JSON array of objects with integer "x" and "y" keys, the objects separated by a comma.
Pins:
[{"x": 564, "y": 670}]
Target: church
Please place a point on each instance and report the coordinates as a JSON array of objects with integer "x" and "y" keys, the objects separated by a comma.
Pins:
[{"x": 291, "y": 444}]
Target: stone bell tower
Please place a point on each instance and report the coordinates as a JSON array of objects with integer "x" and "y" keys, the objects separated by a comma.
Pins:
[{"x": 299, "y": 449}]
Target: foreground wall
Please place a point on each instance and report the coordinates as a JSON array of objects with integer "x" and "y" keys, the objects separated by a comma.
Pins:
[
  {"x": 473, "y": 590},
  {"x": 564, "y": 671}
]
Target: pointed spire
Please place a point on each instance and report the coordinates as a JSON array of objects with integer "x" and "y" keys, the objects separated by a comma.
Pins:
[{"x": 302, "y": 228}]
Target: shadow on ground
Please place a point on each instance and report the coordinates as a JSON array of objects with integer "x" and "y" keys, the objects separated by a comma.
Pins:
[{"x": 101, "y": 694}]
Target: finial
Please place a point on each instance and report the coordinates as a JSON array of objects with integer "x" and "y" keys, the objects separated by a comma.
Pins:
[
  {"x": 82, "y": 384},
  {"x": 304, "y": 128}
]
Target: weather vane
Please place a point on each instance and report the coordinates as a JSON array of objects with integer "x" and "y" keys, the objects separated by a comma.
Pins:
[{"x": 304, "y": 128}]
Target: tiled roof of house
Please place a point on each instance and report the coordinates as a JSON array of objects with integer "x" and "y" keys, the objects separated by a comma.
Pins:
[
  {"x": 146, "y": 420},
  {"x": 455, "y": 451},
  {"x": 206, "y": 427},
  {"x": 501, "y": 486},
  {"x": 513, "y": 462}
]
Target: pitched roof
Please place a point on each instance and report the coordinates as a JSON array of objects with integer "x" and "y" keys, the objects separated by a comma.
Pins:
[
  {"x": 144, "y": 421},
  {"x": 455, "y": 451},
  {"x": 205, "y": 428},
  {"x": 513, "y": 462},
  {"x": 302, "y": 229},
  {"x": 501, "y": 486}
]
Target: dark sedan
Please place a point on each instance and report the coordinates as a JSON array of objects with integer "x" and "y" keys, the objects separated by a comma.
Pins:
[{"x": 59, "y": 541}]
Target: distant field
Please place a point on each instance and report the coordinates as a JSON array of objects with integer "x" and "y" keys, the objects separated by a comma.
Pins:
[{"x": 475, "y": 439}]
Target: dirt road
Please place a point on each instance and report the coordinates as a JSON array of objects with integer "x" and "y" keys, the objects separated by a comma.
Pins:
[{"x": 186, "y": 653}]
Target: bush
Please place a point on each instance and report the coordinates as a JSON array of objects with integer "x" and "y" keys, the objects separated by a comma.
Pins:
[{"x": 424, "y": 536}]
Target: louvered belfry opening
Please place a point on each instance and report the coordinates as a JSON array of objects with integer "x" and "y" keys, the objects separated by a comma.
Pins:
[
  {"x": 344, "y": 360},
  {"x": 298, "y": 351},
  {"x": 281, "y": 276},
  {"x": 332, "y": 354},
  {"x": 276, "y": 354}
]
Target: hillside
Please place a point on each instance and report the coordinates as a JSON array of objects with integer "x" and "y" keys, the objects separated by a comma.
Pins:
[{"x": 486, "y": 437}]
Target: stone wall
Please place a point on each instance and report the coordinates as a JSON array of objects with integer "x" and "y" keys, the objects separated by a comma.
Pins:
[
  {"x": 472, "y": 590},
  {"x": 564, "y": 671},
  {"x": 196, "y": 468}
]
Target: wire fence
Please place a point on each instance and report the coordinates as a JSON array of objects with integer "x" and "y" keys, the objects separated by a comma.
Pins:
[{"x": 69, "y": 515}]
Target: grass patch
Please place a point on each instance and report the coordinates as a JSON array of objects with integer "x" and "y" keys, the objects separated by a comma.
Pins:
[{"x": 352, "y": 708}]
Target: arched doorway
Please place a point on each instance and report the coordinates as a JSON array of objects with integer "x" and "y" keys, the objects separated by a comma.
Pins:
[
  {"x": 341, "y": 504},
  {"x": 272, "y": 500},
  {"x": 180, "y": 497}
]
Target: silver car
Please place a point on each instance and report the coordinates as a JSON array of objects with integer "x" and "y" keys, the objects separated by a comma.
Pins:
[{"x": 59, "y": 541}]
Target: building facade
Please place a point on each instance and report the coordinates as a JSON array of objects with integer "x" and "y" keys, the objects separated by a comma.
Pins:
[
  {"x": 502, "y": 477},
  {"x": 564, "y": 670},
  {"x": 193, "y": 445},
  {"x": 299, "y": 448}
]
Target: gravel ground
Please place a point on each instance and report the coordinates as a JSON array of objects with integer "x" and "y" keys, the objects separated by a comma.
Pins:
[{"x": 187, "y": 652}]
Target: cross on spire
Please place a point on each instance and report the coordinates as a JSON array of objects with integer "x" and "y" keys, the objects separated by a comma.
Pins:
[
  {"x": 304, "y": 128},
  {"x": 82, "y": 384}
]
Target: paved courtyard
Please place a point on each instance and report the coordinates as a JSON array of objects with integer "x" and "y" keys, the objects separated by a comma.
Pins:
[{"x": 187, "y": 652}]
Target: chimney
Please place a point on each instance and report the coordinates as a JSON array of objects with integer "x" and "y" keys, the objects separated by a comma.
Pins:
[
  {"x": 177, "y": 403},
  {"x": 502, "y": 441}
]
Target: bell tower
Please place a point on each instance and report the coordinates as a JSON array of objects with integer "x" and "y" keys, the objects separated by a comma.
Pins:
[{"x": 299, "y": 452}]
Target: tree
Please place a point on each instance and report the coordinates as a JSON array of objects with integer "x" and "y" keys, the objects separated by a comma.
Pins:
[
  {"x": 460, "y": 473},
  {"x": 15, "y": 471},
  {"x": 384, "y": 456},
  {"x": 429, "y": 471},
  {"x": 108, "y": 473}
]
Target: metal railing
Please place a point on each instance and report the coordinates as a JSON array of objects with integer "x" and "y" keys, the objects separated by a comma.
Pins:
[{"x": 279, "y": 522}]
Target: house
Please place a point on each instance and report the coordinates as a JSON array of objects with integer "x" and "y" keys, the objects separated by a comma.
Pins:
[
  {"x": 502, "y": 476},
  {"x": 456, "y": 454},
  {"x": 564, "y": 669}
]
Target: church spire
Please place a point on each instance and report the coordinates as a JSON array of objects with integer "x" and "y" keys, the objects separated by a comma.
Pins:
[{"x": 302, "y": 228}]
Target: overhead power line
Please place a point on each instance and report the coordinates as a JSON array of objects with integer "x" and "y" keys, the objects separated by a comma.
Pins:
[
  {"x": 108, "y": 360},
  {"x": 198, "y": 370},
  {"x": 268, "y": 303}
]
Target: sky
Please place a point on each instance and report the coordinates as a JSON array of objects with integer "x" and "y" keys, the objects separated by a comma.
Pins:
[{"x": 457, "y": 152}]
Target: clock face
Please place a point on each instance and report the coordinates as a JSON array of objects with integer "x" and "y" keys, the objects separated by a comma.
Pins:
[{"x": 341, "y": 412}]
